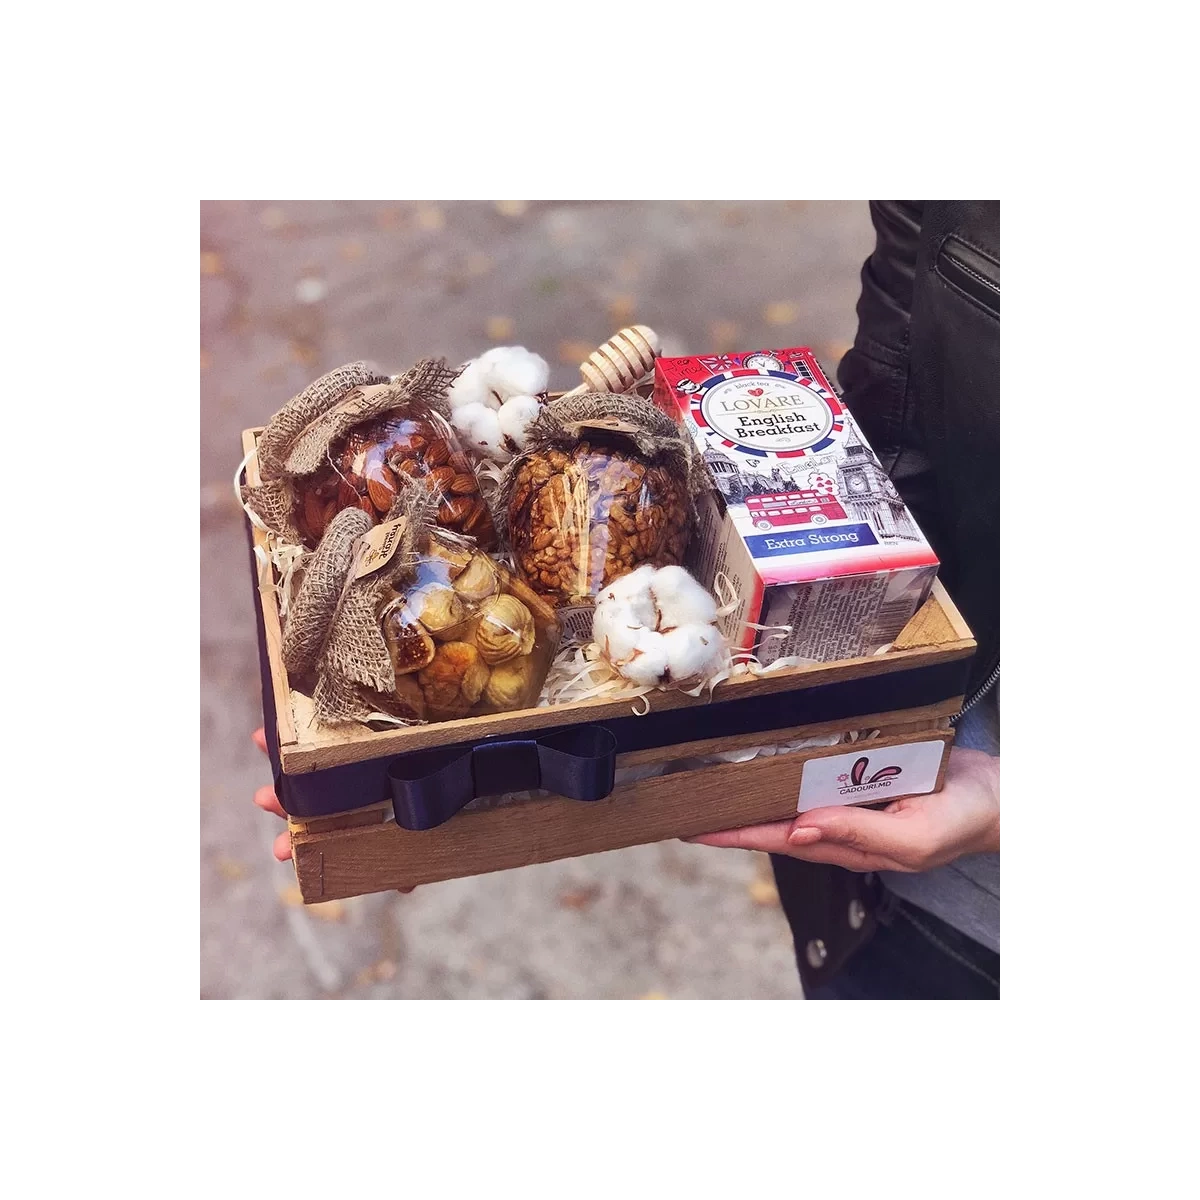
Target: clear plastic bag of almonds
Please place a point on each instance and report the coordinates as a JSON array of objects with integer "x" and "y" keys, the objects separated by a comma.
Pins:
[
  {"x": 348, "y": 439},
  {"x": 420, "y": 624},
  {"x": 604, "y": 485}
]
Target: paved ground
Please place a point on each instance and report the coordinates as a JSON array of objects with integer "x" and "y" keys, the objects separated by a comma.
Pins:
[{"x": 289, "y": 290}]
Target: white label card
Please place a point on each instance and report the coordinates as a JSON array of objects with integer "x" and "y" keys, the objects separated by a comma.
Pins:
[{"x": 866, "y": 775}]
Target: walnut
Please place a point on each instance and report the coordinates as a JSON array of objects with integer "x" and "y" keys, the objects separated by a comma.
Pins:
[
  {"x": 505, "y": 629},
  {"x": 438, "y": 609},
  {"x": 453, "y": 681},
  {"x": 510, "y": 684},
  {"x": 479, "y": 580},
  {"x": 580, "y": 519}
]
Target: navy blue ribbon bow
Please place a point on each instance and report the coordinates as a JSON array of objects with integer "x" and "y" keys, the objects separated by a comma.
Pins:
[{"x": 430, "y": 786}]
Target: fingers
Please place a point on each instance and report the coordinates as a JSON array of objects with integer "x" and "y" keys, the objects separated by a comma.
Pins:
[
  {"x": 259, "y": 738},
  {"x": 840, "y": 856},
  {"x": 770, "y": 838},
  {"x": 282, "y": 848},
  {"x": 892, "y": 835},
  {"x": 266, "y": 799}
]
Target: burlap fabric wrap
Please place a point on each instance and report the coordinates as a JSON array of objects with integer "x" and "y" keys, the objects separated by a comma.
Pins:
[
  {"x": 657, "y": 438},
  {"x": 333, "y": 631},
  {"x": 296, "y": 441}
]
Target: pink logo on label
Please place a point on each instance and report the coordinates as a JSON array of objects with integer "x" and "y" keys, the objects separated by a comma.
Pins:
[{"x": 859, "y": 770}]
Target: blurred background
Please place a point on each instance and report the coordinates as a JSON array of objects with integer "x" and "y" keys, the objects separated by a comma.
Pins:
[{"x": 290, "y": 290}]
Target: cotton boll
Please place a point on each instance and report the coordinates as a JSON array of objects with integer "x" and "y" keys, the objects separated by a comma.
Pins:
[
  {"x": 472, "y": 387},
  {"x": 680, "y": 599},
  {"x": 615, "y": 629},
  {"x": 480, "y": 428},
  {"x": 633, "y": 590},
  {"x": 693, "y": 650},
  {"x": 517, "y": 413},
  {"x": 626, "y": 587},
  {"x": 648, "y": 663},
  {"x": 515, "y": 371}
]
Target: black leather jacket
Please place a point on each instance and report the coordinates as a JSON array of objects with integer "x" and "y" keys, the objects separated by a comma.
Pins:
[{"x": 923, "y": 381}]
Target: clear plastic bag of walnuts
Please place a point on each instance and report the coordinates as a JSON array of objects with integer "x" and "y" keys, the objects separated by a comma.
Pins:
[
  {"x": 415, "y": 622},
  {"x": 346, "y": 440},
  {"x": 604, "y": 485}
]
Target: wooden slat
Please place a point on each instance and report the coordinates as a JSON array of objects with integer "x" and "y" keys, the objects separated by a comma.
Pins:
[
  {"x": 376, "y": 858},
  {"x": 271, "y": 623}
]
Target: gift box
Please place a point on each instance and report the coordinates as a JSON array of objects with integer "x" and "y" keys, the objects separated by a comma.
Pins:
[{"x": 373, "y": 810}]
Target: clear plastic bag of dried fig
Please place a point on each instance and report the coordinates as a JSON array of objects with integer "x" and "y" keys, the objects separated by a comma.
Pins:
[
  {"x": 346, "y": 441},
  {"x": 415, "y": 622},
  {"x": 605, "y": 484}
]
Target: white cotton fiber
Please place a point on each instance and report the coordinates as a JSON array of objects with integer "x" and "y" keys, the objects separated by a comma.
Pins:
[
  {"x": 693, "y": 650},
  {"x": 680, "y": 599},
  {"x": 648, "y": 662},
  {"x": 480, "y": 428},
  {"x": 516, "y": 414},
  {"x": 515, "y": 371},
  {"x": 472, "y": 387}
]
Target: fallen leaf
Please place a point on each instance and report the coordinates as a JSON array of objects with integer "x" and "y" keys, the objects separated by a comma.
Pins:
[
  {"x": 763, "y": 893},
  {"x": 478, "y": 264},
  {"x": 734, "y": 216},
  {"x": 292, "y": 897},
  {"x": 210, "y": 263},
  {"x": 580, "y": 899},
  {"x": 723, "y": 336},
  {"x": 573, "y": 353},
  {"x": 499, "y": 328},
  {"x": 511, "y": 208},
  {"x": 797, "y": 205},
  {"x": 429, "y": 216},
  {"x": 330, "y": 910},
  {"x": 230, "y": 869},
  {"x": 388, "y": 218},
  {"x": 654, "y": 996},
  {"x": 835, "y": 351},
  {"x": 205, "y": 360},
  {"x": 621, "y": 309},
  {"x": 780, "y": 313},
  {"x": 546, "y": 286},
  {"x": 385, "y": 969},
  {"x": 272, "y": 218},
  {"x": 352, "y": 251},
  {"x": 304, "y": 353},
  {"x": 273, "y": 374}
]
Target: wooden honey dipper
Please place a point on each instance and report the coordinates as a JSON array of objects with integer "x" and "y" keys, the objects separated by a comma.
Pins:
[{"x": 621, "y": 363}]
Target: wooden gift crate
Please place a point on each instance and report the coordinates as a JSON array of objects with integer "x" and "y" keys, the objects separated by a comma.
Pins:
[{"x": 908, "y": 694}]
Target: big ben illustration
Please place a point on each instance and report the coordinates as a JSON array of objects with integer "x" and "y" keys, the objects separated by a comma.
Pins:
[{"x": 865, "y": 488}]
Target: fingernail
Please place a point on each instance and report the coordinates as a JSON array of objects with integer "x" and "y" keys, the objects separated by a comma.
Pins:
[{"x": 805, "y": 835}]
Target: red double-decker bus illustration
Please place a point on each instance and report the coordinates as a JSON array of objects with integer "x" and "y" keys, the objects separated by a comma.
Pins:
[{"x": 805, "y": 506}]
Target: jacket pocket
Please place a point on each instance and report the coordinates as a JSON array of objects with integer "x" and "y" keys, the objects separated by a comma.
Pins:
[{"x": 970, "y": 272}]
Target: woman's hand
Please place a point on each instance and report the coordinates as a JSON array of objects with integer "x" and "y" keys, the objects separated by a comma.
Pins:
[
  {"x": 266, "y": 799},
  {"x": 914, "y": 834}
]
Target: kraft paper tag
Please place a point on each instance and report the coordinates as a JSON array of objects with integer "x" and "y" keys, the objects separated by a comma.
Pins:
[
  {"x": 377, "y": 546},
  {"x": 601, "y": 425},
  {"x": 866, "y": 775},
  {"x": 360, "y": 400}
]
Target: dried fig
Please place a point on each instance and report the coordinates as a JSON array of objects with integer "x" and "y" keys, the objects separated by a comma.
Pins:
[{"x": 505, "y": 629}]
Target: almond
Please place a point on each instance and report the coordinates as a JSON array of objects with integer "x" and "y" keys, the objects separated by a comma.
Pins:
[
  {"x": 440, "y": 479},
  {"x": 464, "y": 485},
  {"x": 455, "y": 510},
  {"x": 438, "y": 453},
  {"x": 381, "y": 487}
]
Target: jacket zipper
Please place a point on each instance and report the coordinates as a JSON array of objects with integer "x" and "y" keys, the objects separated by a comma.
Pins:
[{"x": 987, "y": 685}]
